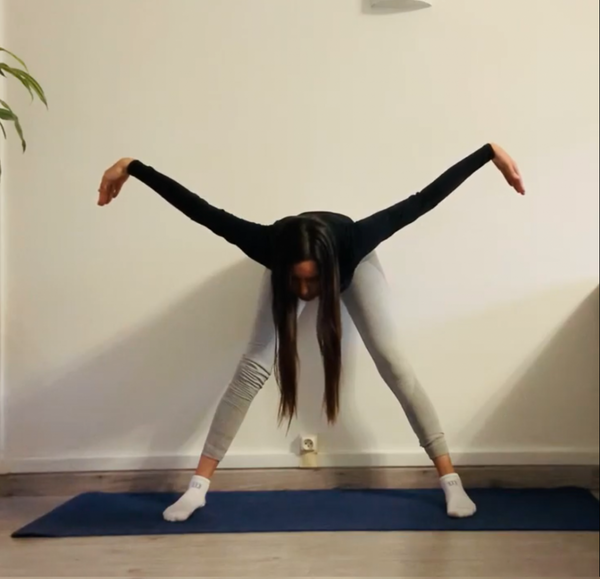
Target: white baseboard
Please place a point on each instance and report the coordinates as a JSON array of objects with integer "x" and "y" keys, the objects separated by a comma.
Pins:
[{"x": 528, "y": 457}]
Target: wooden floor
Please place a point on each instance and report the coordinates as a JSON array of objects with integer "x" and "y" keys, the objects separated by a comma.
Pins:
[{"x": 291, "y": 555}]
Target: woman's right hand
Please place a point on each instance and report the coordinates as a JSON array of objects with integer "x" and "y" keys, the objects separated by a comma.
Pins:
[
  {"x": 508, "y": 168},
  {"x": 112, "y": 181}
]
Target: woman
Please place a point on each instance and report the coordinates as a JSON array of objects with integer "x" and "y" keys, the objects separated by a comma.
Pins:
[{"x": 330, "y": 257}]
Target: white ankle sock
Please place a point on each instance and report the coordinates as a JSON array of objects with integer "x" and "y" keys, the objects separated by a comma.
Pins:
[
  {"x": 459, "y": 504},
  {"x": 194, "y": 498}
]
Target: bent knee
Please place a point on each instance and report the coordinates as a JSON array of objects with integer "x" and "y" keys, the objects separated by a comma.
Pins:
[{"x": 249, "y": 378}]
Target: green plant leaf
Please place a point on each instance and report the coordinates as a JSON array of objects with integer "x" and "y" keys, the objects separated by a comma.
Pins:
[
  {"x": 37, "y": 87},
  {"x": 7, "y": 107},
  {"x": 8, "y": 114},
  {"x": 15, "y": 57},
  {"x": 5, "y": 68},
  {"x": 25, "y": 77},
  {"x": 21, "y": 135},
  {"x": 32, "y": 85}
]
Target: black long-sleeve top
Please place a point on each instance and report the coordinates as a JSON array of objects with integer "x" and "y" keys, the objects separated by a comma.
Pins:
[{"x": 354, "y": 239}]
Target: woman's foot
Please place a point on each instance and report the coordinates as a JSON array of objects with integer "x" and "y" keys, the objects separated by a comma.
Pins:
[
  {"x": 460, "y": 506},
  {"x": 192, "y": 500}
]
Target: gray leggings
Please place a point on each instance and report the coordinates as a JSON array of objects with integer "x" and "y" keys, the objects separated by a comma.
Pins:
[{"x": 367, "y": 301}]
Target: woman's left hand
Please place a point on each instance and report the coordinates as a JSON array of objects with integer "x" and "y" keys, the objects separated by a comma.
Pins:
[
  {"x": 509, "y": 169},
  {"x": 112, "y": 181}
]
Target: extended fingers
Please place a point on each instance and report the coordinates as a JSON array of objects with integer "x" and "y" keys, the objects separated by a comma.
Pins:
[
  {"x": 107, "y": 191},
  {"x": 518, "y": 179},
  {"x": 103, "y": 197}
]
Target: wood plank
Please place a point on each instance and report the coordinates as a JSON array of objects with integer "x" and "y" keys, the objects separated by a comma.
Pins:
[{"x": 68, "y": 484}]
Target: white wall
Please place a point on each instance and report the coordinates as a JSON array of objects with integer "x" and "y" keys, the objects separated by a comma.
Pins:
[{"x": 123, "y": 325}]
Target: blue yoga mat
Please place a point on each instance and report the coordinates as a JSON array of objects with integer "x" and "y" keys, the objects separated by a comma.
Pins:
[{"x": 106, "y": 514}]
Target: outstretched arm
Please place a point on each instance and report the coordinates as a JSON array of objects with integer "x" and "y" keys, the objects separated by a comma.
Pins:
[
  {"x": 373, "y": 230},
  {"x": 251, "y": 238}
]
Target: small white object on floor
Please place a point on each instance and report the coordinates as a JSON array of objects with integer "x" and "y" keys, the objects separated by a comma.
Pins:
[
  {"x": 192, "y": 500},
  {"x": 460, "y": 506}
]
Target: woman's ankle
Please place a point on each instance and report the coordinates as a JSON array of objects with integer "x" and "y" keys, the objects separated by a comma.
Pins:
[
  {"x": 444, "y": 466},
  {"x": 207, "y": 467}
]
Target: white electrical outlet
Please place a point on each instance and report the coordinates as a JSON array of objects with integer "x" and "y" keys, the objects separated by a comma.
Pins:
[
  {"x": 308, "y": 444},
  {"x": 309, "y": 449}
]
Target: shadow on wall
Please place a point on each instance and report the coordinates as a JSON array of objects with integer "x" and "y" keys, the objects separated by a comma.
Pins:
[
  {"x": 402, "y": 7},
  {"x": 550, "y": 402},
  {"x": 554, "y": 398},
  {"x": 157, "y": 387}
]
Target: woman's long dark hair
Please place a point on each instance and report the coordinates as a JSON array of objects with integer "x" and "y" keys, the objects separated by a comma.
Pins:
[{"x": 306, "y": 239}]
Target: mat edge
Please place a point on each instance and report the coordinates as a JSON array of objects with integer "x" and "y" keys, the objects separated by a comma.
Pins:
[{"x": 25, "y": 533}]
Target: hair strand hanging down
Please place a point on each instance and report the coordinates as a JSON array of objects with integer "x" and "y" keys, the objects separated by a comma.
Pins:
[{"x": 303, "y": 239}]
